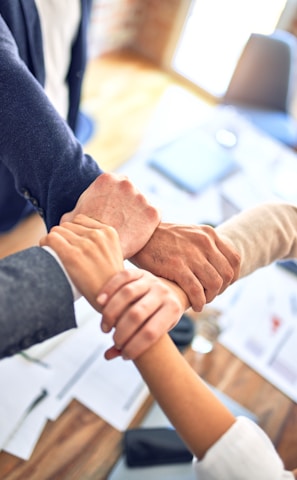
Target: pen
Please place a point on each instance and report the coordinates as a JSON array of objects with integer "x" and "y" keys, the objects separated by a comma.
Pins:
[
  {"x": 36, "y": 401},
  {"x": 28, "y": 357}
]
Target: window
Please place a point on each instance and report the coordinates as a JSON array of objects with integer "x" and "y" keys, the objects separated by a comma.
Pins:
[{"x": 214, "y": 35}]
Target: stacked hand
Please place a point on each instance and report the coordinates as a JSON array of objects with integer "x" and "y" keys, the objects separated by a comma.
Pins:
[
  {"x": 192, "y": 256},
  {"x": 138, "y": 305},
  {"x": 113, "y": 200},
  {"x": 113, "y": 221}
]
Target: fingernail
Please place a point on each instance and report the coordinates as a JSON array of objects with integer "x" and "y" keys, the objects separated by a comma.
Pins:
[
  {"x": 104, "y": 327},
  {"x": 102, "y": 298}
]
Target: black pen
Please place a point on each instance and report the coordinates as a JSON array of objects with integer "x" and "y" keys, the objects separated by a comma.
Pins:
[{"x": 36, "y": 401}]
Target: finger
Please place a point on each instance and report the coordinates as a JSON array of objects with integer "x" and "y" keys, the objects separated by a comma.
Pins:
[
  {"x": 56, "y": 241},
  {"x": 138, "y": 314},
  {"x": 212, "y": 278},
  {"x": 232, "y": 256},
  {"x": 112, "y": 353},
  {"x": 146, "y": 336},
  {"x": 69, "y": 232},
  {"x": 223, "y": 256},
  {"x": 80, "y": 235},
  {"x": 114, "y": 284},
  {"x": 134, "y": 318},
  {"x": 119, "y": 280},
  {"x": 192, "y": 286},
  {"x": 121, "y": 302},
  {"x": 216, "y": 275},
  {"x": 87, "y": 221},
  {"x": 78, "y": 229},
  {"x": 65, "y": 250}
]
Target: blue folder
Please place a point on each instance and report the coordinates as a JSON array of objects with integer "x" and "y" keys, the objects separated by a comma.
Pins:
[{"x": 193, "y": 161}]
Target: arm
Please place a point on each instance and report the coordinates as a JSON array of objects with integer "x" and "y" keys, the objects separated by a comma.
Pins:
[
  {"x": 277, "y": 222},
  {"x": 37, "y": 146},
  {"x": 90, "y": 252},
  {"x": 190, "y": 406},
  {"x": 249, "y": 240},
  {"x": 262, "y": 235},
  {"x": 221, "y": 442},
  {"x": 35, "y": 296},
  {"x": 49, "y": 166},
  {"x": 32, "y": 286},
  {"x": 226, "y": 447},
  {"x": 57, "y": 172}
]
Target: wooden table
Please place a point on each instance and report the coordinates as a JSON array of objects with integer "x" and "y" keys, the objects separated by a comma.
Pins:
[{"x": 81, "y": 446}]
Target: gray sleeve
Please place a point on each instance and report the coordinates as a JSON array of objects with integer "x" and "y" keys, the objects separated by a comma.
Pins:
[{"x": 36, "y": 300}]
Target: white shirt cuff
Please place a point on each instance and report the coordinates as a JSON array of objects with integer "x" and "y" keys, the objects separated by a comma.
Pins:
[{"x": 76, "y": 293}]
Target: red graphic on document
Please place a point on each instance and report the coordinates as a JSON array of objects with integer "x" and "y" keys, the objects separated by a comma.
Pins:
[{"x": 275, "y": 323}]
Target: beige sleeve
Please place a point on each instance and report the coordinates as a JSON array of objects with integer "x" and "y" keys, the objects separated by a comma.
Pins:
[{"x": 262, "y": 234}]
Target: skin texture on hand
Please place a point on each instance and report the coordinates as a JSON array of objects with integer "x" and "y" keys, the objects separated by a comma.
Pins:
[
  {"x": 141, "y": 308},
  {"x": 114, "y": 200},
  {"x": 90, "y": 252},
  {"x": 194, "y": 257}
]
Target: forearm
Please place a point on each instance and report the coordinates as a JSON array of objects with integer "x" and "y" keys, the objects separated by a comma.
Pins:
[
  {"x": 37, "y": 146},
  {"x": 195, "y": 412},
  {"x": 262, "y": 235},
  {"x": 35, "y": 298}
]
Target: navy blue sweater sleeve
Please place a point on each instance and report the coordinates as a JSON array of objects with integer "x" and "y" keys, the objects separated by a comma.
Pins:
[{"x": 36, "y": 144}]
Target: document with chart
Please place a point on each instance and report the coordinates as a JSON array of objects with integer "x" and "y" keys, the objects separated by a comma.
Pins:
[{"x": 260, "y": 326}]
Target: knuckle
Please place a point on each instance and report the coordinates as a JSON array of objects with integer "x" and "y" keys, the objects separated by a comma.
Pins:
[
  {"x": 216, "y": 283},
  {"x": 236, "y": 259},
  {"x": 79, "y": 217},
  {"x": 150, "y": 333},
  {"x": 55, "y": 229},
  {"x": 136, "y": 313},
  {"x": 151, "y": 210},
  {"x": 110, "y": 231},
  {"x": 127, "y": 291},
  {"x": 208, "y": 230},
  {"x": 84, "y": 245},
  {"x": 228, "y": 277}
]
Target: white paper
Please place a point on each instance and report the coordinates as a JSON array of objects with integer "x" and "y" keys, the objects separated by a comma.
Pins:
[
  {"x": 114, "y": 390},
  {"x": 25, "y": 439},
  {"x": 261, "y": 327},
  {"x": 21, "y": 383},
  {"x": 72, "y": 366}
]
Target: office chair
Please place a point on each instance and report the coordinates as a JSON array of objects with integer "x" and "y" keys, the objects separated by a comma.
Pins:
[{"x": 262, "y": 85}]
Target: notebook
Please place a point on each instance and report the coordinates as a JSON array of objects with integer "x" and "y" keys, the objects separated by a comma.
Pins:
[{"x": 193, "y": 161}]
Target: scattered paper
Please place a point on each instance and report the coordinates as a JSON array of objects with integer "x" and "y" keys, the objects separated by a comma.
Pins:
[{"x": 261, "y": 326}]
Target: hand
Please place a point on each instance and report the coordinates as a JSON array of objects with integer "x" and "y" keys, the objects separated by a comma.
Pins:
[
  {"x": 141, "y": 308},
  {"x": 194, "y": 257},
  {"x": 90, "y": 252},
  {"x": 112, "y": 199}
]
